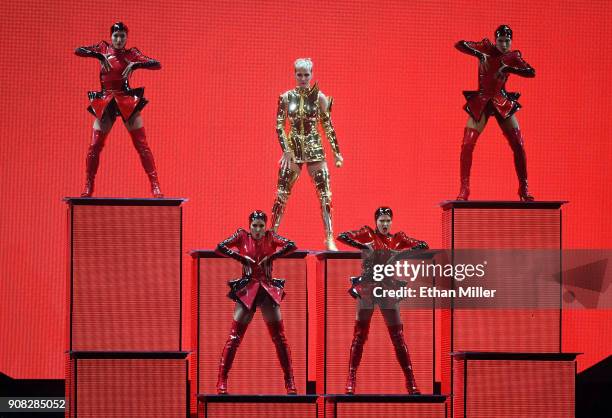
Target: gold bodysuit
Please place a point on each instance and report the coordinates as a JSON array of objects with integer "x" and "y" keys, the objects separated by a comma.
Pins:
[{"x": 301, "y": 107}]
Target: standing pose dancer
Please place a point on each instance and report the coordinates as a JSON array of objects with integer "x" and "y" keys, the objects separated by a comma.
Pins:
[
  {"x": 116, "y": 98},
  {"x": 256, "y": 250},
  {"x": 381, "y": 244},
  {"x": 305, "y": 106},
  {"x": 496, "y": 62}
]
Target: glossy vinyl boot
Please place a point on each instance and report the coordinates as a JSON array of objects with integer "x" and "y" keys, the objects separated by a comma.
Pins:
[
  {"x": 330, "y": 244},
  {"x": 396, "y": 332},
  {"x": 517, "y": 143},
  {"x": 322, "y": 183},
  {"x": 470, "y": 136},
  {"x": 92, "y": 160},
  {"x": 524, "y": 194},
  {"x": 277, "y": 332},
  {"x": 286, "y": 180},
  {"x": 360, "y": 336},
  {"x": 139, "y": 139},
  {"x": 234, "y": 339},
  {"x": 464, "y": 191}
]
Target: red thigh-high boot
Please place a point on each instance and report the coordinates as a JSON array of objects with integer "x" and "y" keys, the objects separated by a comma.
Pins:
[
  {"x": 515, "y": 139},
  {"x": 360, "y": 336},
  {"x": 396, "y": 332},
  {"x": 277, "y": 332},
  {"x": 470, "y": 136},
  {"x": 93, "y": 160},
  {"x": 139, "y": 139},
  {"x": 229, "y": 353}
]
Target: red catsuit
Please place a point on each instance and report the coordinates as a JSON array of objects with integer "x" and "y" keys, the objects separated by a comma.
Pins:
[
  {"x": 255, "y": 278},
  {"x": 116, "y": 93},
  {"x": 491, "y": 97},
  {"x": 383, "y": 245}
]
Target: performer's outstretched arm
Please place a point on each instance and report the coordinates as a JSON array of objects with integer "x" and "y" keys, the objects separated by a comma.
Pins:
[
  {"x": 138, "y": 60},
  {"x": 223, "y": 247},
  {"x": 358, "y": 238},
  {"x": 92, "y": 51},
  {"x": 325, "y": 105},
  {"x": 476, "y": 49},
  {"x": 409, "y": 243},
  {"x": 284, "y": 245},
  {"x": 281, "y": 117},
  {"x": 516, "y": 65},
  {"x": 142, "y": 61}
]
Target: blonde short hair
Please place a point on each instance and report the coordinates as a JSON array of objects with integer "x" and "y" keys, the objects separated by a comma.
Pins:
[{"x": 305, "y": 63}]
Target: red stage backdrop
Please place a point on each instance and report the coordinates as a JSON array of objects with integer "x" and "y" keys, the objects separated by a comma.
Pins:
[{"x": 397, "y": 83}]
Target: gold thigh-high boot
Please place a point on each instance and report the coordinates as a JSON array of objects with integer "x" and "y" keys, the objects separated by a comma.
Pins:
[
  {"x": 286, "y": 179},
  {"x": 321, "y": 181}
]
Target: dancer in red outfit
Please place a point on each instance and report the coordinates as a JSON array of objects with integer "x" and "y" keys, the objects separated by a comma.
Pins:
[
  {"x": 256, "y": 250},
  {"x": 496, "y": 62},
  {"x": 117, "y": 99},
  {"x": 382, "y": 245}
]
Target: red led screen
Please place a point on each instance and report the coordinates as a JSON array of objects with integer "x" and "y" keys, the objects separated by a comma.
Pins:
[
  {"x": 392, "y": 410},
  {"x": 379, "y": 371},
  {"x": 126, "y": 279},
  {"x": 135, "y": 388},
  {"x": 506, "y": 330},
  {"x": 256, "y": 369},
  {"x": 518, "y": 388},
  {"x": 506, "y": 228},
  {"x": 503, "y": 330},
  {"x": 396, "y": 81},
  {"x": 257, "y": 410}
]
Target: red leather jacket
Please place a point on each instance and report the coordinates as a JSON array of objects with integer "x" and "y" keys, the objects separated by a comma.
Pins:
[
  {"x": 491, "y": 83},
  {"x": 114, "y": 84},
  {"x": 377, "y": 241},
  {"x": 255, "y": 276},
  {"x": 119, "y": 60},
  {"x": 383, "y": 245}
]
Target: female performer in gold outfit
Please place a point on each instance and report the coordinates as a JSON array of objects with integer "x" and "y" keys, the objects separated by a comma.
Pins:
[{"x": 304, "y": 106}]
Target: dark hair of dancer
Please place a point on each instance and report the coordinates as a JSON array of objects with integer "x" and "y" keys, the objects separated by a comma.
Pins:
[
  {"x": 503, "y": 30},
  {"x": 258, "y": 214},
  {"x": 383, "y": 210},
  {"x": 118, "y": 26}
]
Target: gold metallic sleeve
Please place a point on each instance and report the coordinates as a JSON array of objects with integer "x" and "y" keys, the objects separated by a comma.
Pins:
[
  {"x": 281, "y": 117},
  {"x": 328, "y": 127}
]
